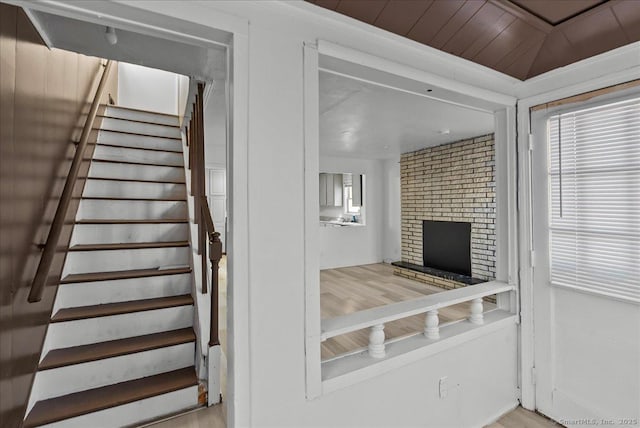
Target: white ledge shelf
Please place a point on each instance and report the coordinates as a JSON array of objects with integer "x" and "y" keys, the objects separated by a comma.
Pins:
[
  {"x": 347, "y": 370},
  {"x": 383, "y": 314}
]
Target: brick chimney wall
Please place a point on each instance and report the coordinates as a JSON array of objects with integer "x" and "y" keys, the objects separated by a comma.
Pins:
[{"x": 451, "y": 182}]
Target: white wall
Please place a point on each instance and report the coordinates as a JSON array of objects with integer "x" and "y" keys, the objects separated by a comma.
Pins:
[
  {"x": 482, "y": 385},
  {"x": 380, "y": 239},
  {"x": 596, "y": 359},
  {"x": 215, "y": 132},
  {"x": 275, "y": 396},
  {"x": 357, "y": 245},
  {"x": 485, "y": 370},
  {"x": 182, "y": 95},
  {"x": 147, "y": 89},
  {"x": 392, "y": 225}
]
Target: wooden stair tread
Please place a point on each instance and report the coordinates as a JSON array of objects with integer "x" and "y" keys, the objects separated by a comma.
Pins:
[
  {"x": 136, "y": 163},
  {"x": 94, "y": 311},
  {"x": 137, "y": 180},
  {"x": 113, "y": 348},
  {"x": 157, "y": 113},
  {"x": 151, "y": 149},
  {"x": 133, "y": 162},
  {"x": 132, "y": 221},
  {"x": 122, "y": 274},
  {"x": 138, "y": 133},
  {"x": 93, "y": 400},
  {"x": 128, "y": 246},
  {"x": 122, "y": 198},
  {"x": 106, "y": 116}
]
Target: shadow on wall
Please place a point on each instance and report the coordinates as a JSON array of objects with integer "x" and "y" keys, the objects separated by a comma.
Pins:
[{"x": 44, "y": 93}]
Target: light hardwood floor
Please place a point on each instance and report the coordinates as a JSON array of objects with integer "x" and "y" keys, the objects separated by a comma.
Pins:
[
  {"x": 351, "y": 289},
  {"x": 521, "y": 418},
  {"x": 213, "y": 418}
]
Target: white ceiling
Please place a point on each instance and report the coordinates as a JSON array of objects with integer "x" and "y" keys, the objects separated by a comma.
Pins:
[
  {"x": 206, "y": 63},
  {"x": 366, "y": 120}
]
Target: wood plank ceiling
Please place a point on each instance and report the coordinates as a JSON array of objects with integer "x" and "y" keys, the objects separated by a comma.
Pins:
[{"x": 521, "y": 38}]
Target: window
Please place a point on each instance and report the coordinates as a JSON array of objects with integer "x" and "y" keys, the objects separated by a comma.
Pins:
[
  {"x": 348, "y": 197},
  {"x": 351, "y": 205},
  {"x": 594, "y": 179}
]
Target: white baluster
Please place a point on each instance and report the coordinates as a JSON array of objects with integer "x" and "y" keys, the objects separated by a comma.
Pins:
[
  {"x": 477, "y": 316},
  {"x": 376, "y": 341},
  {"x": 431, "y": 329}
]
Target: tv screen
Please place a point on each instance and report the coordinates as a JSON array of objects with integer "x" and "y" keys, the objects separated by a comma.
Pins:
[{"x": 446, "y": 245}]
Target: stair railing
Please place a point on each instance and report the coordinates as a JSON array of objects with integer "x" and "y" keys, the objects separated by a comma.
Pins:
[
  {"x": 208, "y": 239},
  {"x": 49, "y": 248}
]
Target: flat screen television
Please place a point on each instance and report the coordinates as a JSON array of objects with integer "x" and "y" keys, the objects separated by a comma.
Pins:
[{"x": 446, "y": 245}]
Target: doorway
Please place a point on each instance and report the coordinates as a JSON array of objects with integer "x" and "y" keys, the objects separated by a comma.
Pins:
[{"x": 586, "y": 185}]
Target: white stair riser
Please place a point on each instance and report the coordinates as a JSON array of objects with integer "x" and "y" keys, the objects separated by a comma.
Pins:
[
  {"x": 117, "y": 260},
  {"x": 133, "y": 189},
  {"x": 138, "y": 141},
  {"x": 125, "y": 171},
  {"x": 121, "y": 290},
  {"x": 134, "y": 210},
  {"x": 94, "y": 374},
  {"x": 100, "y": 329},
  {"x": 136, "y": 412},
  {"x": 129, "y": 233},
  {"x": 142, "y": 116},
  {"x": 124, "y": 154},
  {"x": 151, "y": 129}
]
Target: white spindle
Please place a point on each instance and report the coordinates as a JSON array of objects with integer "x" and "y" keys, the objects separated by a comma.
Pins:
[
  {"x": 431, "y": 328},
  {"x": 376, "y": 341},
  {"x": 477, "y": 309}
]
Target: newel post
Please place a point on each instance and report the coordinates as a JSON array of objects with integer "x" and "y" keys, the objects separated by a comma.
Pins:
[
  {"x": 477, "y": 309},
  {"x": 376, "y": 341},
  {"x": 215, "y": 254},
  {"x": 431, "y": 325}
]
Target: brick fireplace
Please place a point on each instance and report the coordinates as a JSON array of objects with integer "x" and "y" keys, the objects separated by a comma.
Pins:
[{"x": 452, "y": 182}]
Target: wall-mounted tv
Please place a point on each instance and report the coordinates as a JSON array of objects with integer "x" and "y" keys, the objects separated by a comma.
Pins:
[{"x": 446, "y": 245}]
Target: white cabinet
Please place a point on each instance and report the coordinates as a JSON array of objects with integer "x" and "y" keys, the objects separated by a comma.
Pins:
[
  {"x": 356, "y": 190},
  {"x": 323, "y": 189},
  {"x": 337, "y": 190},
  {"x": 330, "y": 190}
]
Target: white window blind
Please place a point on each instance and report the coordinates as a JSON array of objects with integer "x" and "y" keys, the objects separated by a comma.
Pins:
[{"x": 594, "y": 180}]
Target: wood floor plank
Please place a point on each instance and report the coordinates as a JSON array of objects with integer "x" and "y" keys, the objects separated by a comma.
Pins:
[
  {"x": 351, "y": 289},
  {"x": 522, "y": 418}
]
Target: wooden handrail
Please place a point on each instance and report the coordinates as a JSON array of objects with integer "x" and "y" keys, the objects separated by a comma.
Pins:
[
  {"x": 207, "y": 217},
  {"x": 49, "y": 250}
]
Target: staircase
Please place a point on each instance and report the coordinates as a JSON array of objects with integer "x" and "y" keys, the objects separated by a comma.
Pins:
[{"x": 120, "y": 348}]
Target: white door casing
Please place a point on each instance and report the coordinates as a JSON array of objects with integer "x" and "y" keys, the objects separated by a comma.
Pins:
[{"x": 586, "y": 346}]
